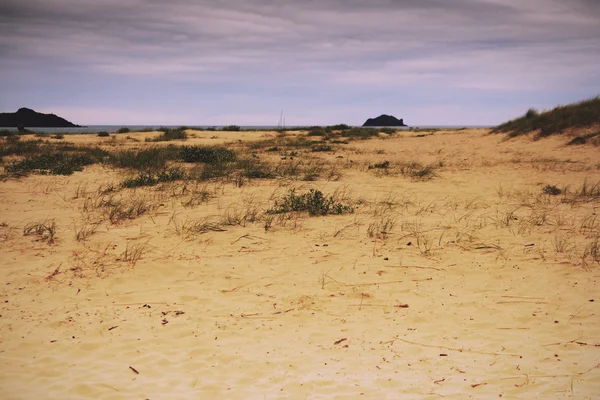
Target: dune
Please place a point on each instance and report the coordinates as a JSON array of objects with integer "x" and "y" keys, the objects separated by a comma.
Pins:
[{"x": 457, "y": 275}]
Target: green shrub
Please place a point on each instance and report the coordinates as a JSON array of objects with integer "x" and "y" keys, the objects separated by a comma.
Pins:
[
  {"x": 585, "y": 138},
  {"x": 321, "y": 148},
  {"x": 232, "y": 128},
  {"x": 381, "y": 165},
  {"x": 121, "y": 130},
  {"x": 254, "y": 169},
  {"x": 7, "y": 133},
  {"x": 152, "y": 158},
  {"x": 216, "y": 170},
  {"x": 316, "y": 131},
  {"x": 338, "y": 127},
  {"x": 51, "y": 163},
  {"x": 104, "y": 134},
  {"x": 360, "y": 133},
  {"x": 552, "y": 190},
  {"x": 206, "y": 154},
  {"x": 146, "y": 178},
  {"x": 169, "y": 134},
  {"x": 417, "y": 171},
  {"x": 314, "y": 202}
]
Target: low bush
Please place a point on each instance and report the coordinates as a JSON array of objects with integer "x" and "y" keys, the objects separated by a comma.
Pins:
[
  {"x": 360, "y": 133},
  {"x": 314, "y": 202},
  {"x": 381, "y": 165},
  {"x": 417, "y": 171},
  {"x": 232, "y": 128},
  {"x": 51, "y": 163},
  {"x": 552, "y": 190},
  {"x": 169, "y": 134},
  {"x": 206, "y": 154},
  {"x": 152, "y": 158},
  {"x": 145, "y": 178},
  {"x": 7, "y": 133},
  {"x": 104, "y": 134},
  {"x": 316, "y": 131},
  {"x": 121, "y": 130},
  {"x": 321, "y": 148}
]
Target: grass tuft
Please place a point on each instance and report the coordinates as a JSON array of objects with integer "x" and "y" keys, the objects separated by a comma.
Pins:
[{"x": 314, "y": 202}]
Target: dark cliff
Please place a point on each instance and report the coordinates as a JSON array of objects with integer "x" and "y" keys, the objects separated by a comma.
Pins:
[
  {"x": 26, "y": 117},
  {"x": 384, "y": 120}
]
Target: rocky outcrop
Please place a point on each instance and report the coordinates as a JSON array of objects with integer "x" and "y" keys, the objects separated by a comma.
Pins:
[
  {"x": 384, "y": 120},
  {"x": 26, "y": 117}
]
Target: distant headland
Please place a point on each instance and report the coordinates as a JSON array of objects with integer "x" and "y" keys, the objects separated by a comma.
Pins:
[
  {"x": 26, "y": 117},
  {"x": 384, "y": 120}
]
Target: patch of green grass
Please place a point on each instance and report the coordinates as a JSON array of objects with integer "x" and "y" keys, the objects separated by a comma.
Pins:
[
  {"x": 316, "y": 131},
  {"x": 7, "y": 133},
  {"x": 381, "y": 165},
  {"x": 577, "y": 115},
  {"x": 417, "y": 171},
  {"x": 152, "y": 158},
  {"x": 338, "y": 127},
  {"x": 255, "y": 169},
  {"x": 13, "y": 146},
  {"x": 169, "y": 134},
  {"x": 593, "y": 138},
  {"x": 314, "y": 202},
  {"x": 48, "y": 158},
  {"x": 552, "y": 190},
  {"x": 360, "y": 133},
  {"x": 145, "y": 178},
  {"x": 206, "y": 154},
  {"x": 232, "y": 128},
  {"x": 216, "y": 170},
  {"x": 50, "y": 163},
  {"x": 321, "y": 148}
]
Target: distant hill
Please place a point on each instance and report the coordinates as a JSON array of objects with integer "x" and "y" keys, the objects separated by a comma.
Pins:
[
  {"x": 581, "y": 120},
  {"x": 384, "y": 120},
  {"x": 26, "y": 117}
]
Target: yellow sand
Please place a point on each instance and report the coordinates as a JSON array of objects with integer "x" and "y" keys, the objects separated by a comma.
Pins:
[{"x": 482, "y": 303}]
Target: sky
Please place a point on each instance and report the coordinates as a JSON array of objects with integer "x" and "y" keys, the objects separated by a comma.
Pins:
[{"x": 219, "y": 62}]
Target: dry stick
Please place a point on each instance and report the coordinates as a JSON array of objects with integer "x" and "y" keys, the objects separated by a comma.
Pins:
[
  {"x": 246, "y": 236},
  {"x": 239, "y": 287},
  {"x": 361, "y": 284},
  {"x": 456, "y": 349},
  {"x": 550, "y": 376},
  {"x": 413, "y": 266},
  {"x": 574, "y": 341}
]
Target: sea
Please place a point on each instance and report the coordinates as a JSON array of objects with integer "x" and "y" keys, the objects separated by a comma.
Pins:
[{"x": 137, "y": 128}]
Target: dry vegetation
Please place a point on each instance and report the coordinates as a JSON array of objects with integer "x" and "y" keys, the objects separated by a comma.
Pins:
[{"x": 334, "y": 261}]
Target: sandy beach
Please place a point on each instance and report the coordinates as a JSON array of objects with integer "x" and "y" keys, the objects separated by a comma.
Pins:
[{"x": 473, "y": 283}]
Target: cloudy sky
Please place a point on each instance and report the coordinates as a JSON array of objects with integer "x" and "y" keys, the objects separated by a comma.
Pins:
[{"x": 431, "y": 62}]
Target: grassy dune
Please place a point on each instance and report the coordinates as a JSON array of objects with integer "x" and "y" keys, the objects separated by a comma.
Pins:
[{"x": 581, "y": 120}]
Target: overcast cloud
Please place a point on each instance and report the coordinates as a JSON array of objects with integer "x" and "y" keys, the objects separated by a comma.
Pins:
[{"x": 431, "y": 62}]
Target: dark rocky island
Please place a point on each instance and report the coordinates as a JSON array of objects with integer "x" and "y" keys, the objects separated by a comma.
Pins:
[
  {"x": 26, "y": 117},
  {"x": 384, "y": 120}
]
